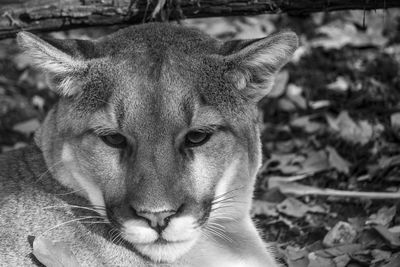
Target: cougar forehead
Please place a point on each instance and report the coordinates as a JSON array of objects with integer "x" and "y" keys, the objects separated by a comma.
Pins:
[{"x": 148, "y": 61}]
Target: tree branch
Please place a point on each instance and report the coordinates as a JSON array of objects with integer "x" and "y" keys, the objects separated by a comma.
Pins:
[{"x": 50, "y": 15}]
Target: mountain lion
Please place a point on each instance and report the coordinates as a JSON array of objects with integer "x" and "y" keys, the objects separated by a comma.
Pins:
[{"x": 150, "y": 156}]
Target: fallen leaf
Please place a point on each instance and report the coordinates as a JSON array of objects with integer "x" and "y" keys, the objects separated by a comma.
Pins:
[
  {"x": 336, "y": 161},
  {"x": 316, "y": 161},
  {"x": 342, "y": 260},
  {"x": 342, "y": 233},
  {"x": 394, "y": 261},
  {"x": 341, "y": 33},
  {"x": 292, "y": 207},
  {"x": 358, "y": 223},
  {"x": 317, "y": 261},
  {"x": 22, "y": 61},
  {"x": 395, "y": 229},
  {"x": 295, "y": 208},
  {"x": 295, "y": 253},
  {"x": 319, "y": 104},
  {"x": 340, "y": 85},
  {"x": 363, "y": 257},
  {"x": 38, "y": 102},
  {"x": 360, "y": 132},
  {"x": 260, "y": 207},
  {"x": 386, "y": 162},
  {"x": 53, "y": 254},
  {"x": 294, "y": 93},
  {"x": 286, "y": 163},
  {"x": 338, "y": 250},
  {"x": 392, "y": 238},
  {"x": 395, "y": 120},
  {"x": 383, "y": 217},
  {"x": 17, "y": 145},
  {"x": 296, "y": 257},
  {"x": 286, "y": 105},
  {"x": 380, "y": 255},
  {"x": 27, "y": 127},
  {"x": 271, "y": 195},
  {"x": 307, "y": 124}
]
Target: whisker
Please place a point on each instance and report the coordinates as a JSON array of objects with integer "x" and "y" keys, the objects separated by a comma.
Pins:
[
  {"x": 71, "y": 221},
  {"x": 112, "y": 233},
  {"x": 218, "y": 233},
  {"x": 47, "y": 171},
  {"x": 73, "y": 206},
  {"x": 222, "y": 200},
  {"x": 219, "y": 226},
  {"x": 69, "y": 193},
  {"x": 224, "y": 218},
  {"x": 120, "y": 240},
  {"x": 116, "y": 236},
  {"x": 95, "y": 222},
  {"x": 229, "y": 201},
  {"x": 230, "y": 191},
  {"x": 207, "y": 234},
  {"x": 218, "y": 230},
  {"x": 221, "y": 215},
  {"x": 221, "y": 207}
]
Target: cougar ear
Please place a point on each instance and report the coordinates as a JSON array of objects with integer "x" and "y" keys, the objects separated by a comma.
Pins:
[
  {"x": 252, "y": 64},
  {"x": 60, "y": 59}
]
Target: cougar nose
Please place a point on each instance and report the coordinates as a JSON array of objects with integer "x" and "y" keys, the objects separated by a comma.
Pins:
[{"x": 156, "y": 220}]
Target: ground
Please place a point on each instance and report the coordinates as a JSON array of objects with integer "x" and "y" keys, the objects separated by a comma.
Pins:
[{"x": 328, "y": 191}]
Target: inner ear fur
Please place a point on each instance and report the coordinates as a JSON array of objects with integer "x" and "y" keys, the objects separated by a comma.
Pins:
[
  {"x": 62, "y": 60},
  {"x": 252, "y": 64}
]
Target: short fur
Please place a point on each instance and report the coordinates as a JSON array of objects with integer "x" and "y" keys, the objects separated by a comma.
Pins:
[{"x": 153, "y": 84}]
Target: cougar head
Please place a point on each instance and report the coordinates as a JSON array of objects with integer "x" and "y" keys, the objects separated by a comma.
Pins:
[{"x": 157, "y": 124}]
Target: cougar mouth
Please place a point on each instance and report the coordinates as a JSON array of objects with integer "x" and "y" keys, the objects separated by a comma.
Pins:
[
  {"x": 177, "y": 238},
  {"x": 163, "y": 241}
]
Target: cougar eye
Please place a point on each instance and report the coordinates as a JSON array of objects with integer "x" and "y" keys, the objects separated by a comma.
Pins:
[
  {"x": 114, "y": 140},
  {"x": 197, "y": 138}
]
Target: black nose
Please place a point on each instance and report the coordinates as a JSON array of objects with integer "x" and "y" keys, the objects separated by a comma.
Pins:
[{"x": 156, "y": 220}]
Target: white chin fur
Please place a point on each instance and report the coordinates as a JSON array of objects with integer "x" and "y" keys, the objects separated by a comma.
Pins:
[
  {"x": 181, "y": 234},
  {"x": 137, "y": 232},
  {"x": 165, "y": 252},
  {"x": 181, "y": 228}
]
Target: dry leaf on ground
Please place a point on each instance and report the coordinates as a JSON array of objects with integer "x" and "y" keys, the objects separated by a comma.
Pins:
[
  {"x": 336, "y": 161},
  {"x": 392, "y": 238},
  {"x": 53, "y": 254},
  {"x": 260, "y": 207},
  {"x": 27, "y": 127},
  {"x": 348, "y": 129},
  {"x": 342, "y": 233},
  {"x": 383, "y": 217},
  {"x": 296, "y": 208}
]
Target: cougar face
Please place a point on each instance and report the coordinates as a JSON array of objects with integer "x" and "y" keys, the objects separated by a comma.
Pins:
[{"x": 156, "y": 127}]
